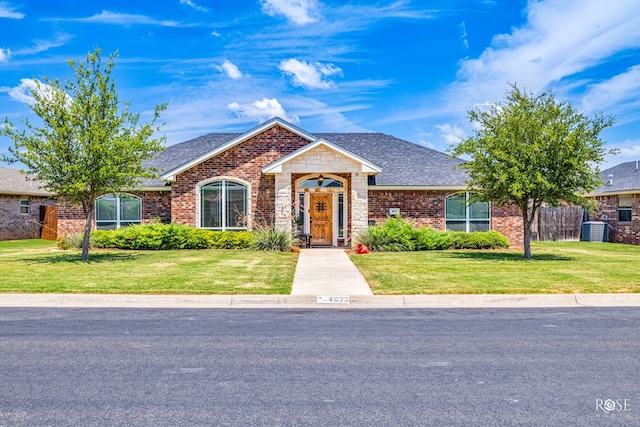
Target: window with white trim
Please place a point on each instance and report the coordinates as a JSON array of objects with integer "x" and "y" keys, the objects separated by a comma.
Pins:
[
  {"x": 223, "y": 205},
  {"x": 25, "y": 206},
  {"x": 464, "y": 216},
  {"x": 624, "y": 208},
  {"x": 118, "y": 210}
]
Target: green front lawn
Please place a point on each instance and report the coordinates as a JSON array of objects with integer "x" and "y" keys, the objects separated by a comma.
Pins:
[
  {"x": 569, "y": 267},
  {"x": 37, "y": 266}
]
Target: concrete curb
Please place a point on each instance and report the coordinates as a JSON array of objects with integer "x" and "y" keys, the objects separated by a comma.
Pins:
[{"x": 311, "y": 301}]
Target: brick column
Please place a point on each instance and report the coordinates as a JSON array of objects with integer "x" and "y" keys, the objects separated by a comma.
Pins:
[{"x": 283, "y": 202}]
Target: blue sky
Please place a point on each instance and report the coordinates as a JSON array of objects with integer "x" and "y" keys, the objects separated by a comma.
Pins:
[{"x": 411, "y": 69}]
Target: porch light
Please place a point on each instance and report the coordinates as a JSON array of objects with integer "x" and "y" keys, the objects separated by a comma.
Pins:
[{"x": 320, "y": 180}]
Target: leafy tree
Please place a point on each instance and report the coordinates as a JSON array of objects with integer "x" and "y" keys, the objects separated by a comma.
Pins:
[
  {"x": 88, "y": 143},
  {"x": 529, "y": 150}
]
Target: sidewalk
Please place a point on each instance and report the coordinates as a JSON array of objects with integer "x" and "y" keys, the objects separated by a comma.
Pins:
[
  {"x": 293, "y": 301},
  {"x": 328, "y": 272}
]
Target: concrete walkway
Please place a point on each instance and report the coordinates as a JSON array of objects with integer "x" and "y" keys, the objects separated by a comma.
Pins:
[{"x": 328, "y": 272}]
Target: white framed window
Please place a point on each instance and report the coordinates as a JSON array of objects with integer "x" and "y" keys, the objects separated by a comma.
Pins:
[
  {"x": 25, "y": 206},
  {"x": 624, "y": 208},
  {"x": 118, "y": 210},
  {"x": 460, "y": 215},
  {"x": 224, "y": 205}
]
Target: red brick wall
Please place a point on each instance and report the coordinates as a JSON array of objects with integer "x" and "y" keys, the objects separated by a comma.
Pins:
[
  {"x": 243, "y": 161},
  {"x": 619, "y": 232},
  {"x": 15, "y": 225},
  {"x": 427, "y": 208},
  {"x": 423, "y": 207},
  {"x": 508, "y": 221},
  {"x": 156, "y": 205}
]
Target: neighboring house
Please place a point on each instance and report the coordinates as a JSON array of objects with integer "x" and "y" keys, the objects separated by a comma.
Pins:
[
  {"x": 330, "y": 186},
  {"x": 619, "y": 202},
  {"x": 22, "y": 203}
]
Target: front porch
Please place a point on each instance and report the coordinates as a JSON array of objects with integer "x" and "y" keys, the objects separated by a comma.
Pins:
[{"x": 322, "y": 191}]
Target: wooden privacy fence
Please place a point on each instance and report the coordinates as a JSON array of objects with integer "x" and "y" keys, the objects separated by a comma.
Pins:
[
  {"x": 561, "y": 223},
  {"x": 49, "y": 221}
]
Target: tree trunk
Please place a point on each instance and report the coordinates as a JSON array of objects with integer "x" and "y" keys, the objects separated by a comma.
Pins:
[
  {"x": 527, "y": 234},
  {"x": 87, "y": 233}
]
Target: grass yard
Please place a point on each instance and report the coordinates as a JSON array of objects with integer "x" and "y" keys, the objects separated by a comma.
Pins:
[
  {"x": 556, "y": 267},
  {"x": 37, "y": 266}
]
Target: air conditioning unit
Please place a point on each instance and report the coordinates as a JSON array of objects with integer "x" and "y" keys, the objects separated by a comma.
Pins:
[{"x": 595, "y": 231}]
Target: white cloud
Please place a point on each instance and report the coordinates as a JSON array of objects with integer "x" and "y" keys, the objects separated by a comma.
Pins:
[
  {"x": 547, "y": 48},
  {"x": 311, "y": 76},
  {"x": 451, "y": 134},
  {"x": 216, "y": 34},
  {"x": 114, "y": 18},
  {"x": 545, "y": 52},
  {"x": 8, "y": 11},
  {"x": 262, "y": 111},
  {"x": 230, "y": 69},
  {"x": 44, "y": 45},
  {"x": 5, "y": 54},
  {"x": 621, "y": 92},
  {"x": 462, "y": 30},
  {"x": 22, "y": 92},
  {"x": 301, "y": 12},
  {"x": 193, "y": 5}
]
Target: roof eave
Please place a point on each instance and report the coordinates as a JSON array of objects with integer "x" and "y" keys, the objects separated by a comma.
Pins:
[{"x": 396, "y": 187}]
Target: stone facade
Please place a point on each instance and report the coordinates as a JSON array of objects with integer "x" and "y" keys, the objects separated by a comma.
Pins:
[
  {"x": 619, "y": 232},
  {"x": 330, "y": 163},
  {"x": 15, "y": 225}
]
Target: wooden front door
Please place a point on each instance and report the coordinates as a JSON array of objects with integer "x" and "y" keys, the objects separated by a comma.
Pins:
[{"x": 320, "y": 217}]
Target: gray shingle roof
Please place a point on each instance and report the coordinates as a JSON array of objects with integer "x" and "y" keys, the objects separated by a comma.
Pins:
[
  {"x": 404, "y": 163},
  {"x": 12, "y": 181},
  {"x": 622, "y": 178}
]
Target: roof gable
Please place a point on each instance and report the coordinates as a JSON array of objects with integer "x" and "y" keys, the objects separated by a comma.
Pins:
[
  {"x": 276, "y": 121},
  {"x": 367, "y": 166}
]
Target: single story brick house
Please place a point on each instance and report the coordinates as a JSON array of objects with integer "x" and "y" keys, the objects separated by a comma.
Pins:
[
  {"x": 21, "y": 203},
  {"x": 619, "y": 202},
  {"x": 329, "y": 186}
]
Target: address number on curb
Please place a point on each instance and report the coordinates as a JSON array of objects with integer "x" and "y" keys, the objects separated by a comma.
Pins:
[{"x": 332, "y": 300}]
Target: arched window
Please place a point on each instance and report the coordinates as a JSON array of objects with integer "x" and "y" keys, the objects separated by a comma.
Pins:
[
  {"x": 464, "y": 216},
  {"x": 117, "y": 210},
  {"x": 223, "y": 206}
]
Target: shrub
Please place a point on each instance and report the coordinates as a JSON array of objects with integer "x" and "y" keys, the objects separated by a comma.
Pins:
[
  {"x": 479, "y": 240},
  {"x": 232, "y": 239},
  {"x": 430, "y": 239},
  {"x": 157, "y": 236},
  {"x": 72, "y": 240},
  {"x": 268, "y": 238},
  {"x": 397, "y": 234}
]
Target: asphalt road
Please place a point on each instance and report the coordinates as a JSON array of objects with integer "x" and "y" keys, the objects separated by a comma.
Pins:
[{"x": 288, "y": 367}]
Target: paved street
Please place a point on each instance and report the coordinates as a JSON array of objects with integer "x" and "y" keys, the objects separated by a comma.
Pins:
[{"x": 441, "y": 367}]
